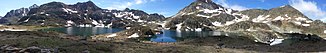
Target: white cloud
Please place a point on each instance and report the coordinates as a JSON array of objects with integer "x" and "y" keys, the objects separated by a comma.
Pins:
[
  {"x": 234, "y": 7},
  {"x": 309, "y": 8},
  {"x": 139, "y": 1}
]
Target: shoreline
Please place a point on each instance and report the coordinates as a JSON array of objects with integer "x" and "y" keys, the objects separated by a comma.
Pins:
[{"x": 203, "y": 45}]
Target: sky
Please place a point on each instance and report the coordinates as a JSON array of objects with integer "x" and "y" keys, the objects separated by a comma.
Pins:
[{"x": 314, "y": 9}]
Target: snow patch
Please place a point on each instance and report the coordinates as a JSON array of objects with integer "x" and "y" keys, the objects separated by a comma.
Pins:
[
  {"x": 109, "y": 25},
  {"x": 229, "y": 22},
  {"x": 13, "y": 30},
  {"x": 26, "y": 20},
  {"x": 286, "y": 15},
  {"x": 198, "y": 29},
  {"x": 135, "y": 35},
  {"x": 140, "y": 20},
  {"x": 179, "y": 26},
  {"x": 228, "y": 11},
  {"x": 95, "y": 22},
  {"x": 209, "y": 11},
  {"x": 309, "y": 21},
  {"x": 136, "y": 17},
  {"x": 217, "y": 23},
  {"x": 301, "y": 19},
  {"x": 279, "y": 18},
  {"x": 197, "y": 7},
  {"x": 128, "y": 27},
  {"x": 325, "y": 31},
  {"x": 85, "y": 25},
  {"x": 305, "y": 24},
  {"x": 112, "y": 35},
  {"x": 203, "y": 16},
  {"x": 276, "y": 41},
  {"x": 69, "y": 10},
  {"x": 69, "y": 23},
  {"x": 296, "y": 22},
  {"x": 260, "y": 18},
  {"x": 190, "y": 13}
]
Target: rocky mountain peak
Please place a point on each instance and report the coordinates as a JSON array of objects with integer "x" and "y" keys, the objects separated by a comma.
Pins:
[
  {"x": 127, "y": 9},
  {"x": 200, "y": 5},
  {"x": 89, "y": 5},
  {"x": 287, "y": 10},
  {"x": 206, "y": 1},
  {"x": 53, "y": 5},
  {"x": 17, "y": 12},
  {"x": 33, "y": 6}
]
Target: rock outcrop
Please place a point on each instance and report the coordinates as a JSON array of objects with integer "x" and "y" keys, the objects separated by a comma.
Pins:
[
  {"x": 82, "y": 14},
  {"x": 259, "y": 24}
]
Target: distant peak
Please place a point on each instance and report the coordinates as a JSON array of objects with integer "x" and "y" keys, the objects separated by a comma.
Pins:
[
  {"x": 89, "y": 1},
  {"x": 33, "y": 6},
  {"x": 289, "y": 6},
  {"x": 207, "y": 1},
  {"x": 127, "y": 9}
]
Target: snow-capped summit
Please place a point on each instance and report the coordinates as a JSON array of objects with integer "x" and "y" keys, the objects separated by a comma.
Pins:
[
  {"x": 82, "y": 13},
  {"x": 260, "y": 24},
  {"x": 204, "y": 14}
]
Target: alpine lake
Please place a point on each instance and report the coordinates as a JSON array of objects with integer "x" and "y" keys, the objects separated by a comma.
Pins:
[{"x": 166, "y": 36}]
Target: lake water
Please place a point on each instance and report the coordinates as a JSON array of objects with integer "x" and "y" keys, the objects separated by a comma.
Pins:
[{"x": 167, "y": 36}]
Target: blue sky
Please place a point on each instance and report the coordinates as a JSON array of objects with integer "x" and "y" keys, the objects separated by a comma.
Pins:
[{"x": 315, "y": 9}]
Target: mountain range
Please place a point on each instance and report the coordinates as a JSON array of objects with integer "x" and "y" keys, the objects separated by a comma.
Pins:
[
  {"x": 259, "y": 24},
  {"x": 202, "y": 15},
  {"x": 80, "y": 14}
]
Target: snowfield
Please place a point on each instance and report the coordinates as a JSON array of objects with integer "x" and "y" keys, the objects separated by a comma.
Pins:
[
  {"x": 112, "y": 35},
  {"x": 179, "y": 26},
  {"x": 13, "y": 30},
  {"x": 217, "y": 23},
  {"x": 135, "y": 35},
  {"x": 260, "y": 18},
  {"x": 276, "y": 41}
]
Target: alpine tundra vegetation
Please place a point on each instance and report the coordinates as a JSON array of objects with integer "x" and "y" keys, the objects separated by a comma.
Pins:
[{"x": 201, "y": 26}]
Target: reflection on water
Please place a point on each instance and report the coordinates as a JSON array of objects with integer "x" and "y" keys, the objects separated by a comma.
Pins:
[
  {"x": 166, "y": 36},
  {"x": 85, "y": 31},
  {"x": 173, "y": 36}
]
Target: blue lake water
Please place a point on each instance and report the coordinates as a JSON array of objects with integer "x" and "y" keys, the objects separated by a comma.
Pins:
[{"x": 167, "y": 36}]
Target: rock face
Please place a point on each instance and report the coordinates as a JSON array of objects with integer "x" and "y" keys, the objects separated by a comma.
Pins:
[
  {"x": 204, "y": 14},
  {"x": 2, "y": 20},
  {"x": 259, "y": 24},
  {"x": 14, "y": 15},
  {"x": 83, "y": 14}
]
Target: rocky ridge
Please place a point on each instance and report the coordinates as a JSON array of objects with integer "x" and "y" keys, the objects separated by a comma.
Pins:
[
  {"x": 83, "y": 14},
  {"x": 259, "y": 24}
]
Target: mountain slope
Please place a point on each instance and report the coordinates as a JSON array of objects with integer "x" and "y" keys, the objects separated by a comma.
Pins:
[
  {"x": 84, "y": 14},
  {"x": 14, "y": 15},
  {"x": 202, "y": 15},
  {"x": 259, "y": 24}
]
